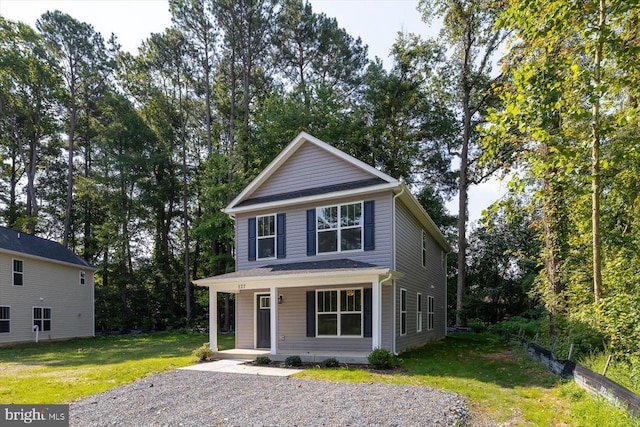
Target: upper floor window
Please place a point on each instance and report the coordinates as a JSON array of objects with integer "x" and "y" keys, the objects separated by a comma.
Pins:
[
  {"x": 5, "y": 319},
  {"x": 83, "y": 278},
  {"x": 424, "y": 248},
  {"x": 42, "y": 318},
  {"x": 18, "y": 272},
  {"x": 339, "y": 228},
  {"x": 266, "y": 236}
]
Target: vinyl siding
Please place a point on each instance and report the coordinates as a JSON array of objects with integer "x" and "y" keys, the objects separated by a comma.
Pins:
[
  {"x": 296, "y": 226},
  {"x": 50, "y": 285},
  {"x": 429, "y": 281},
  {"x": 245, "y": 318},
  {"x": 310, "y": 167}
]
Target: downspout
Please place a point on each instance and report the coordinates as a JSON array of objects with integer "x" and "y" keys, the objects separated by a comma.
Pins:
[{"x": 393, "y": 266}]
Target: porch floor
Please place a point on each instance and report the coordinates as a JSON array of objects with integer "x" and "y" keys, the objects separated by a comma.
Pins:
[{"x": 353, "y": 357}]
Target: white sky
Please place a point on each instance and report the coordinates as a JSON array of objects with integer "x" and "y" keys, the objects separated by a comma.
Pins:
[{"x": 376, "y": 22}]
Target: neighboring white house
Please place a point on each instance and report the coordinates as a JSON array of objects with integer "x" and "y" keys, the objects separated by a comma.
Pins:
[
  {"x": 333, "y": 259},
  {"x": 45, "y": 289}
]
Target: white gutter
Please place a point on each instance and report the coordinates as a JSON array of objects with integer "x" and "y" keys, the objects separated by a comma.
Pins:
[{"x": 393, "y": 267}]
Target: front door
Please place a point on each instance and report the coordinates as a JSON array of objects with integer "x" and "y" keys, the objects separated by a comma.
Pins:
[{"x": 263, "y": 321}]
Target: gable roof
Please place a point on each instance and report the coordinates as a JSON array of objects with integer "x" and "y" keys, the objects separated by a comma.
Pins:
[
  {"x": 27, "y": 244},
  {"x": 379, "y": 180}
]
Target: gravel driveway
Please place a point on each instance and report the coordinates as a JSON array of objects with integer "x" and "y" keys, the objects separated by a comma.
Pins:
[{"x": 189, "y": 398}]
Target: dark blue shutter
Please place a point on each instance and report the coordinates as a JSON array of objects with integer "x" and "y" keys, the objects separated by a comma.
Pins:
[
  {"x": 311, "y": 313},
  {"x": 251, "y": 229},
  {"x": 311, "y": 232},
  {"x": 281, "y": 235},
  {"x": 367, "y": 312},
  {"x": 369, "y": 226}
]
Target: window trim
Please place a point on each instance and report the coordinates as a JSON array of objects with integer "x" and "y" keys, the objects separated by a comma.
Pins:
[
  {"x": 403, "y": 319},
  {"x": 430, "y": 313},
  {"x": 82, "y": 277},
  {"x": 339, "y": 312},
  {"x": 14, "y": 272},
  {"x": 42, "y": 318},
  {"x": 340, "y": 228},
  {"x": 274, "y": 236},
  {"x": 8, "y": 320},
  {"x": 418, "y": 312},
  {"x": 424, "y": 248}
]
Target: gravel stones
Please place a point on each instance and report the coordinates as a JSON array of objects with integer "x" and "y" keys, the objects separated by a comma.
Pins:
[{"x": 191, "y": 398}]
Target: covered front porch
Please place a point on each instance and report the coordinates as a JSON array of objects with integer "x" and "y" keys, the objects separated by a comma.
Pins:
[{"x": 273, "y": 306}]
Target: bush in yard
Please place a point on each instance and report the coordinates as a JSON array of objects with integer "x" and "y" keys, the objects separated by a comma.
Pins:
[
  {"x": 331, "y": 362},
  {"x": 293, "y": 361},
  {"x": 203, "y": 353},
  {"x": 477, "y": 325},
  {"x": 381, "y": 358},
  {"x": 262, "y": 360}
]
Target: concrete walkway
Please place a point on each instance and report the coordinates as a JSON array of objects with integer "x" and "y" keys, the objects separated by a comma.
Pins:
[{"x": 234, "y": 366}]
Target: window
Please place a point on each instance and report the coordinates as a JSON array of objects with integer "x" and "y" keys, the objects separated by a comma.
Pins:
[
  {"x": 18, "y": 272},
  {"x": 403, "y": 311},
  {"x": 424, "y": 248},
  {"x": 419, "y": 313},
  {"x": 266, "y": 236},
  {"x": 5, "y": 319},
  {"x": 430, "y": 313},
  {"x": 82, "y": 278},
  {"x": 339, "y": 313},
  {"x": 265, "y": 302},
  {"x": 42, "y": 318},
  {"x": 339, "y": 228},
  {"x": 443, "y": 260}
]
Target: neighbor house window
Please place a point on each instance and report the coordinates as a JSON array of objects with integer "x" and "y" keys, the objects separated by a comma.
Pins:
[
  {"x": 430, "y": 314},
  {"x": 5, "y": 319},
  {"x": 18, "y": 272},
  {"x": 403, "y": 311},
  {"x": 266, "y": 236},
  {"x": 82, "y": 278},
  {"x": 339, "y": 313},
  {"x": 419, "y": 313},
  {"x": 42, "y": 318},
  {"x": 339, "y": 228},
  {"x": 424, "y": 248}
]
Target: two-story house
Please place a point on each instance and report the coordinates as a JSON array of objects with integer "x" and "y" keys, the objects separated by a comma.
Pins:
[
  {"x": 333, "y": 259},
  {"x": 46, "y": 291}
]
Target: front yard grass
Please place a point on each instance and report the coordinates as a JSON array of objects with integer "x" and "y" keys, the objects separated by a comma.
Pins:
[
  {"x": 63, "y": 371},
  {"x": 502, "y": 384}
]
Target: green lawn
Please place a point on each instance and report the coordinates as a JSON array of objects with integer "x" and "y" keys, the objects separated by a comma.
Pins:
[
  {"x": 63, "y": 371},
  {"x": 502, "y": 384}
]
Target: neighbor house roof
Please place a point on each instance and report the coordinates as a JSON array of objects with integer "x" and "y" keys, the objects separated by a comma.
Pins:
[{"x": 21, "y": 243}]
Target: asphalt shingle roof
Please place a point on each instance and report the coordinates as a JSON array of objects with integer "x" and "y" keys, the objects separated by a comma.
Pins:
[{"x": 28, "y": 244}]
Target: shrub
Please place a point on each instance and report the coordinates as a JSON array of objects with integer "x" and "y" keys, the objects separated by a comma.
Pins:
[
  {"x": 331, "y": 362},
  {"x": 203, "y": 353},
  {"x": 293, "y": 361},
  {"x": 262, "y": 360},
  {"x": 477, "y": 325},
  {"x": 383, "y": 359}
]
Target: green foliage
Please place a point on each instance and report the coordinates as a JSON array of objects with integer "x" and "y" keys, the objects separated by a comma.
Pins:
[
  {"x": 263, "y": 360},
  {"x": 203, "y": 353},
  {"x": 477, "y": 325},
  {"x": 518, "y": 326},
  {"x": 381, "y": 358},
  {"x": 293, "y": 361},
  {"x": 331, "y": 362}
]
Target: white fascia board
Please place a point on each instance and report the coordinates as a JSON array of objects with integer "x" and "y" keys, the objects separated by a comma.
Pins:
[
  {"x": 21, "y": 255},
  {"x": 416, "y": 208},
  {"x": 316, "y": 198},
  {"x": 288, "y": 152},
  {"x": 238, "y": 284}
]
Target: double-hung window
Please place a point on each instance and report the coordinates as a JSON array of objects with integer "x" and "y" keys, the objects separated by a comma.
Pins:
[
  {"x": 266, "y": 236},
  {"x": 424, "y": 248},
  {"x": 18, "y": 272},
  {"x": 430, "y": 313},
  {"x": 83, "y": 278},
  {"x": 403, "y": 311},
  {"x": 339, "y": 228},
  {"x": 5, "y": 319},
  {"x": 419, "y": 313},
  {"x": 42, "y": 318},
  {"x": 339, "y": 313}
]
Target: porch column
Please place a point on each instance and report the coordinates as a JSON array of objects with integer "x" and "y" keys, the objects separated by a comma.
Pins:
[
  {"x": 274, "y": 320},
  {"x": 376, "y": 315},
  {"x": 213, "y": 319}
]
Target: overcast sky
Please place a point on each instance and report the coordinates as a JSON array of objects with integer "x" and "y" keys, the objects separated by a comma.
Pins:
[{"x": 376, "y": 22}]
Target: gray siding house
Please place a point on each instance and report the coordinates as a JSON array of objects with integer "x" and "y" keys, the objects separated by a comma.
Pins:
[
  {"x": 333, "y": 259},
  {"x": 43, "y": 286}
]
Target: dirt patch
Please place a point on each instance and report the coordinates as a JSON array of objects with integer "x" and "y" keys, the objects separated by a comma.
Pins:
[{"x": 503, "y": 356}]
